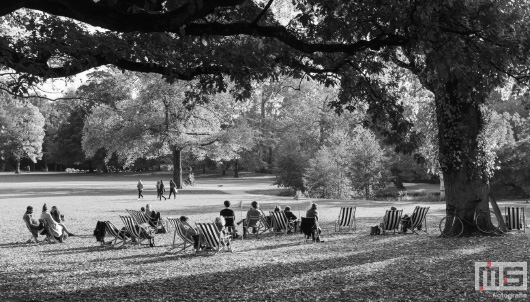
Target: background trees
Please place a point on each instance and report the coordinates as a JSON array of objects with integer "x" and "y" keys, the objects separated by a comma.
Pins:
[{"x": 21, "y": 130}]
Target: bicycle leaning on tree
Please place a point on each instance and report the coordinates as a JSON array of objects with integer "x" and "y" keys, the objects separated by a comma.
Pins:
[{"x": 485, "y": 220}]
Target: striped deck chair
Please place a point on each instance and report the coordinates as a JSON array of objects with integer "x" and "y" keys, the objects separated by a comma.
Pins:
[
  {"x": 115, "y": 232},
  {"x": 213, "y": 238},
  {"x": 280, "y": 223},
  {"x": 418, "y": 218},
  {"x": 140, "y": 218},
  {"x": 346, "y": 219},
  {"x": 392, "y": 220},
  {"x": 264, "y": 225},
  {"x": 515, "y": 219},
  {"x": 186, "y": 242},
  {"x": 138, "y": 232}
]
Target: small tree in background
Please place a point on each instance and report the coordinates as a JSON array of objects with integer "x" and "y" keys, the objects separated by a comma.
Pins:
[{"x": 21, "y": 130}]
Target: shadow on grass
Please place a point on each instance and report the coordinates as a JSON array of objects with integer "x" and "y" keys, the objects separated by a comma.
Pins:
[{"x": 340, "y": 277}]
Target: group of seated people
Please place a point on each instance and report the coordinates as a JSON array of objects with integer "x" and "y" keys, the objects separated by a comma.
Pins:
[
  {"x": 53, "y": 220},
  {"x": 225, "y": 222},
  {"x": 154, "y": 217}
]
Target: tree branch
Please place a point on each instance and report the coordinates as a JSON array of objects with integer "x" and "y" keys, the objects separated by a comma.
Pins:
[{"x": 262, "y": 13}]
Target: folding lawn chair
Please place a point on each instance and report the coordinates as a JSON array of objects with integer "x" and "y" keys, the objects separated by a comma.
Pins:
[
  {"x": 309, "y": 227},
  {"x": 213, "y": 238},
  {"x": 49, "y": 235},
  {"x": 515, "y": 219},
  {"x": 253, "y": 222},
  {"x": 142, "y": 219},
  {"x": 179, "y": 231},
  {"x": 111, "y": 229},
  {"x": 280, "y": 223},
  {"x": 418, "y": 219},
  {"x": 346, "y": 219},
  {"x": 264, "y": 225},
  {"x": 392, "y": 220},
  {"x": 138, "y": 233}
]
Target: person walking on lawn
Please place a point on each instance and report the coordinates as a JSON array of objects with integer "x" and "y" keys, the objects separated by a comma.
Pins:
[
  {"x": 161, "y": 191},
  {"x": 140, "y": 187},
  {"x": 172, "y": 189}
]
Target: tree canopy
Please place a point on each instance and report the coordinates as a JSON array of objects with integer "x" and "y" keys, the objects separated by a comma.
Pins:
[{"x": 459, "y": 50}]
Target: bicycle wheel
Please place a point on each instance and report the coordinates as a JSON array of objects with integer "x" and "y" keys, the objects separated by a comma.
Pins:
[
  {"x": 451, "y": 226},
  {"x": 487, "y": 222}
]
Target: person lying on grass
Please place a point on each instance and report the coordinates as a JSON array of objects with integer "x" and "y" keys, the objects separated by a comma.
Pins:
[{"x": 34, "y": 226}]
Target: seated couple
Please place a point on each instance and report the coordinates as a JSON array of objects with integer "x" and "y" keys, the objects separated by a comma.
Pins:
[
  {"x": 155, "y": 220},
  {"x": 290, "y": 216},
  {"x": 53, "y": 220},
  {"x": 194, "y": 235}
]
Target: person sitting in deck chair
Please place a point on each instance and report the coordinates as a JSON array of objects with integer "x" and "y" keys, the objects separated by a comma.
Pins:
[
  {"x": 292, "y": 218},
  {"x": 312, "y": 212},
  {"x": 57, "y": 216},
  {"x": 229, "y": 213},
  {"x": 191, "y": 232},
  {"x": 34, "y": 226},
  {"x": 253, "y": 211},
  {"x": 55, "y": 229}
]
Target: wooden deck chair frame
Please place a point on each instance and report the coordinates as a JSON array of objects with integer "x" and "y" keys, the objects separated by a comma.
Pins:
[
  {"x": 49, "y": 236},
  {"x": 280, "y": 223},
  {"x": 111, "y": 229},
  {"x": 515, "y": 218},
  {"x": 392, "y": 220},
  {"x": 213, "y": 238},
  {"x": 135, "y": 233},
  {"x": 264, "y": 225},
  {"x": 186, "y": 242},
  {"x": 249, "y": 224},
  {"x": 419, "y": 219},
  {"x": 308, "y": 236},
  {"x": 346, "y": 219}
]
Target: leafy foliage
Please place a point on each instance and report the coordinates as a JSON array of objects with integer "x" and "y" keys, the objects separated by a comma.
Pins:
[{"x": 21, "y": 130}]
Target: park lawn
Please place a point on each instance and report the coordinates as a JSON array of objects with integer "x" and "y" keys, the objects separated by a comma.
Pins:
[{"x": 346, "y": 267}]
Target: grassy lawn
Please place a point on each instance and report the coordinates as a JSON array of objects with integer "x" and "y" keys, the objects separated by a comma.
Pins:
[{"x": 347, "y": 267}]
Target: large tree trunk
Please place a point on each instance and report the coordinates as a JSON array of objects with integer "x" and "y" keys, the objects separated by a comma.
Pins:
[
  {"x": 17, "y": 169},
  {"x": 461, "y": 154},
  {"x": 236, "y": 169},
  {"x": 177, "y": 167}
]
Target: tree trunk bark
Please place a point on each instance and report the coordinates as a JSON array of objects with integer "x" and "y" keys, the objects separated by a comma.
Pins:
[
  {"x": 177, "y": 167},
  {"x": 17, "y": 169},
  {"x": 461, "y": 154},
  {"x": 204, "y": 168},
  {"x": 269, "y": 161},
  {"x": 236, "y": 169}
]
